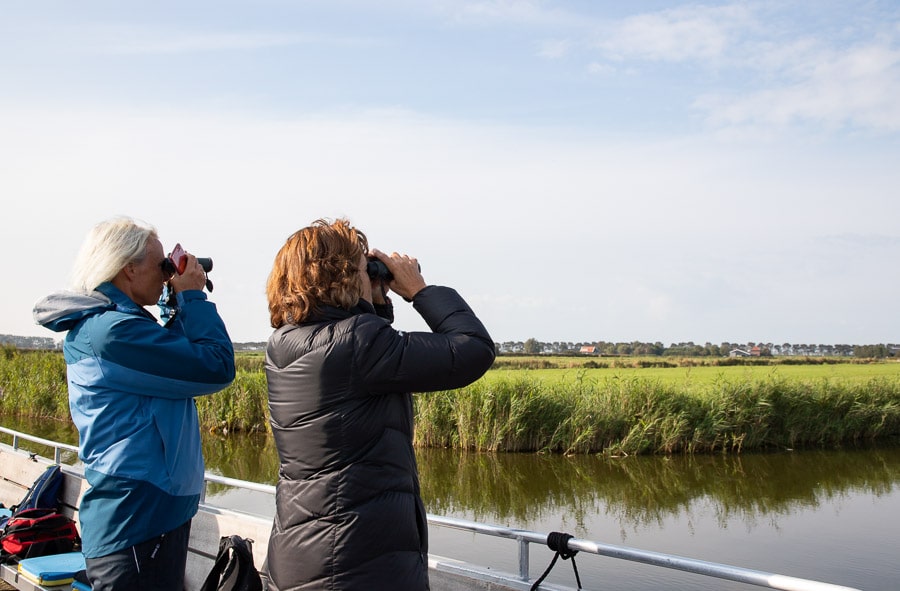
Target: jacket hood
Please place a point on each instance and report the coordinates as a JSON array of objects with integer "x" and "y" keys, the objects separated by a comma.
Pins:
[{"x": 61, "y": 311}]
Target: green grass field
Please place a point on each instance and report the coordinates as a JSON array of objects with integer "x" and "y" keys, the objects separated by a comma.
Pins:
[{"x": 700, "y": 375}]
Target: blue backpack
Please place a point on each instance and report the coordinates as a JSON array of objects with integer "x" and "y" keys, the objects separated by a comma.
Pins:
[{"x": 43, "y": 494}]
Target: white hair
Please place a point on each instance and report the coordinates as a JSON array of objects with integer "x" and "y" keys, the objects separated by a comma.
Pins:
[{"x": 109, "y": 246}]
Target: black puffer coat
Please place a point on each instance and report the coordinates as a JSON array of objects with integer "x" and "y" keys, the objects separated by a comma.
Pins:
[{"x": 348, "y": 510}]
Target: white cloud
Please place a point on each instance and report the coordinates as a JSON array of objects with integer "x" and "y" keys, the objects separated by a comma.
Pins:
[
  {"x": 680, "y": 34},
  {"x": 855, "y": 88},
  {"x": 757, "y": 72}
]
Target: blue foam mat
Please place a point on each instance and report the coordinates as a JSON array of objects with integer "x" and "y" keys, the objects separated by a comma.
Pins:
[{"x": 55, "y": 569}]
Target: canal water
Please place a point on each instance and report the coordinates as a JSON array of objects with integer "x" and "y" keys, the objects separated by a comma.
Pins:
[{"x": 831, "y": 516}]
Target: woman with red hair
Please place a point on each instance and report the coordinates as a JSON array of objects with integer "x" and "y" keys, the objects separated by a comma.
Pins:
[{"x": 348, "y": 508}]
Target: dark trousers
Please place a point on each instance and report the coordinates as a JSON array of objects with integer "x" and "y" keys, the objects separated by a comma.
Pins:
[{"x": 154, "y": 565}]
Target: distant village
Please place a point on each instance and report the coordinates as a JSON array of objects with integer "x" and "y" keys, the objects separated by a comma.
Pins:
[
  {"x": 602, "y": 348},
  {"x": 690, "y": 349},
  {"x": 49, "y": 344}
]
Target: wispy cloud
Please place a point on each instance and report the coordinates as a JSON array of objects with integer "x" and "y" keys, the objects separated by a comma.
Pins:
[
  {"x": 680, "y": 34},
  {"x": 854, "y": 87},
  {"x": 832, "y": 79}
]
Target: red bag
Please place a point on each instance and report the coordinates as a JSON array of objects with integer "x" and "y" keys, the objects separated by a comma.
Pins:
[{"x": 38, "y": 532}]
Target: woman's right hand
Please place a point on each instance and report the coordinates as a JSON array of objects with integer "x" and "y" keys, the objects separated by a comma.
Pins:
[
  {"x": 408, "y": 280},
  {"x": 194, "y": 277}
]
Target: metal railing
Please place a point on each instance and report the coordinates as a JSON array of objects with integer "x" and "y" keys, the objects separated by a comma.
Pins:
[
  {"x": 700, "y": 567},
  {"x": 526, "y": 537},
  {"x": 58, "y": 447},
  {"x": 268, "y": 489}
]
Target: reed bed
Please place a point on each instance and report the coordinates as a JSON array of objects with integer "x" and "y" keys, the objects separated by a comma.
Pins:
[
  {"x": 616, "y": 416},
  {"x": 584, "y": 412},
  {"x": 33, "y": 383}
]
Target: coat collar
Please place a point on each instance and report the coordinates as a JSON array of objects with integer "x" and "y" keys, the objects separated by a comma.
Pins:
[{"x": 329, "y": 313}]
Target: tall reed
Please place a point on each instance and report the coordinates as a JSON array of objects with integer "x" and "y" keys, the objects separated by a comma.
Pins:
[
  {"x": 242, "y": 406},
  {"x": 610, "y": 415},
  {"x": 33, "y": 382},
  {"x": 627, "y": 416}
]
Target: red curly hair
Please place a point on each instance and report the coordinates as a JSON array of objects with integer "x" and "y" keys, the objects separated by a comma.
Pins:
[{"x": 317, "y": 266}]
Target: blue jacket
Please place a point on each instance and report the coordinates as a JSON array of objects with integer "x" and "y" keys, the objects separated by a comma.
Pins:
[{"x": 132, "y": 384}]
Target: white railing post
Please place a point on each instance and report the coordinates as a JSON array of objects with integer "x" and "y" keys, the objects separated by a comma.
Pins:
[{"x": 523, "y": 559}]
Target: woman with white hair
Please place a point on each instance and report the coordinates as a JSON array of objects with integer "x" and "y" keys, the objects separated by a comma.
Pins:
[{"x": 132, "y": 384}]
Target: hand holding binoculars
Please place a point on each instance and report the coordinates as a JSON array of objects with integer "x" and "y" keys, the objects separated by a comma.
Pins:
[{"x": 177, "y": 261}]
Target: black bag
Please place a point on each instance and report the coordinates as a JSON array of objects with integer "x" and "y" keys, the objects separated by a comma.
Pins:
[{"x": 233, "y": 569}]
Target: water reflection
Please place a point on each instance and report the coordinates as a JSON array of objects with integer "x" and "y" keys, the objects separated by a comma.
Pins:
[
  {"x": 59, "y": 431},
  {"x": 640, "y": 491},
  {"x": 245, "y": 456}
]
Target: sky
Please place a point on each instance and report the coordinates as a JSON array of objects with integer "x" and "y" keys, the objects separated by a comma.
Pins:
[{"x": 578, "y": 170}]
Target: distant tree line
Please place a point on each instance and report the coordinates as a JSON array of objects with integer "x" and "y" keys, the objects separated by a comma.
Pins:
[
  {"x": 48, "y": 343},
  {"x": 19, "y": 342},
  {"x": 690, "y": 349},
  {"x": 635, "y": 348}
]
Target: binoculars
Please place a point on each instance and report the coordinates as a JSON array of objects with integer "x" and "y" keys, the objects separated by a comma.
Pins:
[
  {"x": 375, "y": 269},
  {"x": 177, "y": 261},
  {"x": 378, "y": 270}
]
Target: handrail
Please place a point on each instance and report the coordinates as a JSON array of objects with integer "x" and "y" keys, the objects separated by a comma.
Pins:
[
  {"x": 526, "y": 537},
  {"x": 701, "y": 567},
  {"x": 268, "y": 489},
  {"x": 57, "y": 446}
]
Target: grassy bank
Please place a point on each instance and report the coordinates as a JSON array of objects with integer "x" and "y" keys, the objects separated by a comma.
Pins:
[
  {"x": 615, "y": 410},
  {"x": 634, "y": 415}
]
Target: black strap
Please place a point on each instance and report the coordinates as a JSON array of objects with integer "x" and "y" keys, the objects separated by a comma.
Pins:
[
  {"x": 233, "y": 569},
  {"x": 225, "y": 555},
  {"x": 559, "y": 543}
]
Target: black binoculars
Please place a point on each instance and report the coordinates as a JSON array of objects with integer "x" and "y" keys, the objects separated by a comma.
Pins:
[
  {"x": 169, "y": 266},
  {"x": 177, "y": 261},
  {"x": 376, "y": 269}
]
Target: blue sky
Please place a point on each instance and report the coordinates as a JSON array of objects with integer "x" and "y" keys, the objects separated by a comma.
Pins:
[{"x": 579, "y": 171}]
